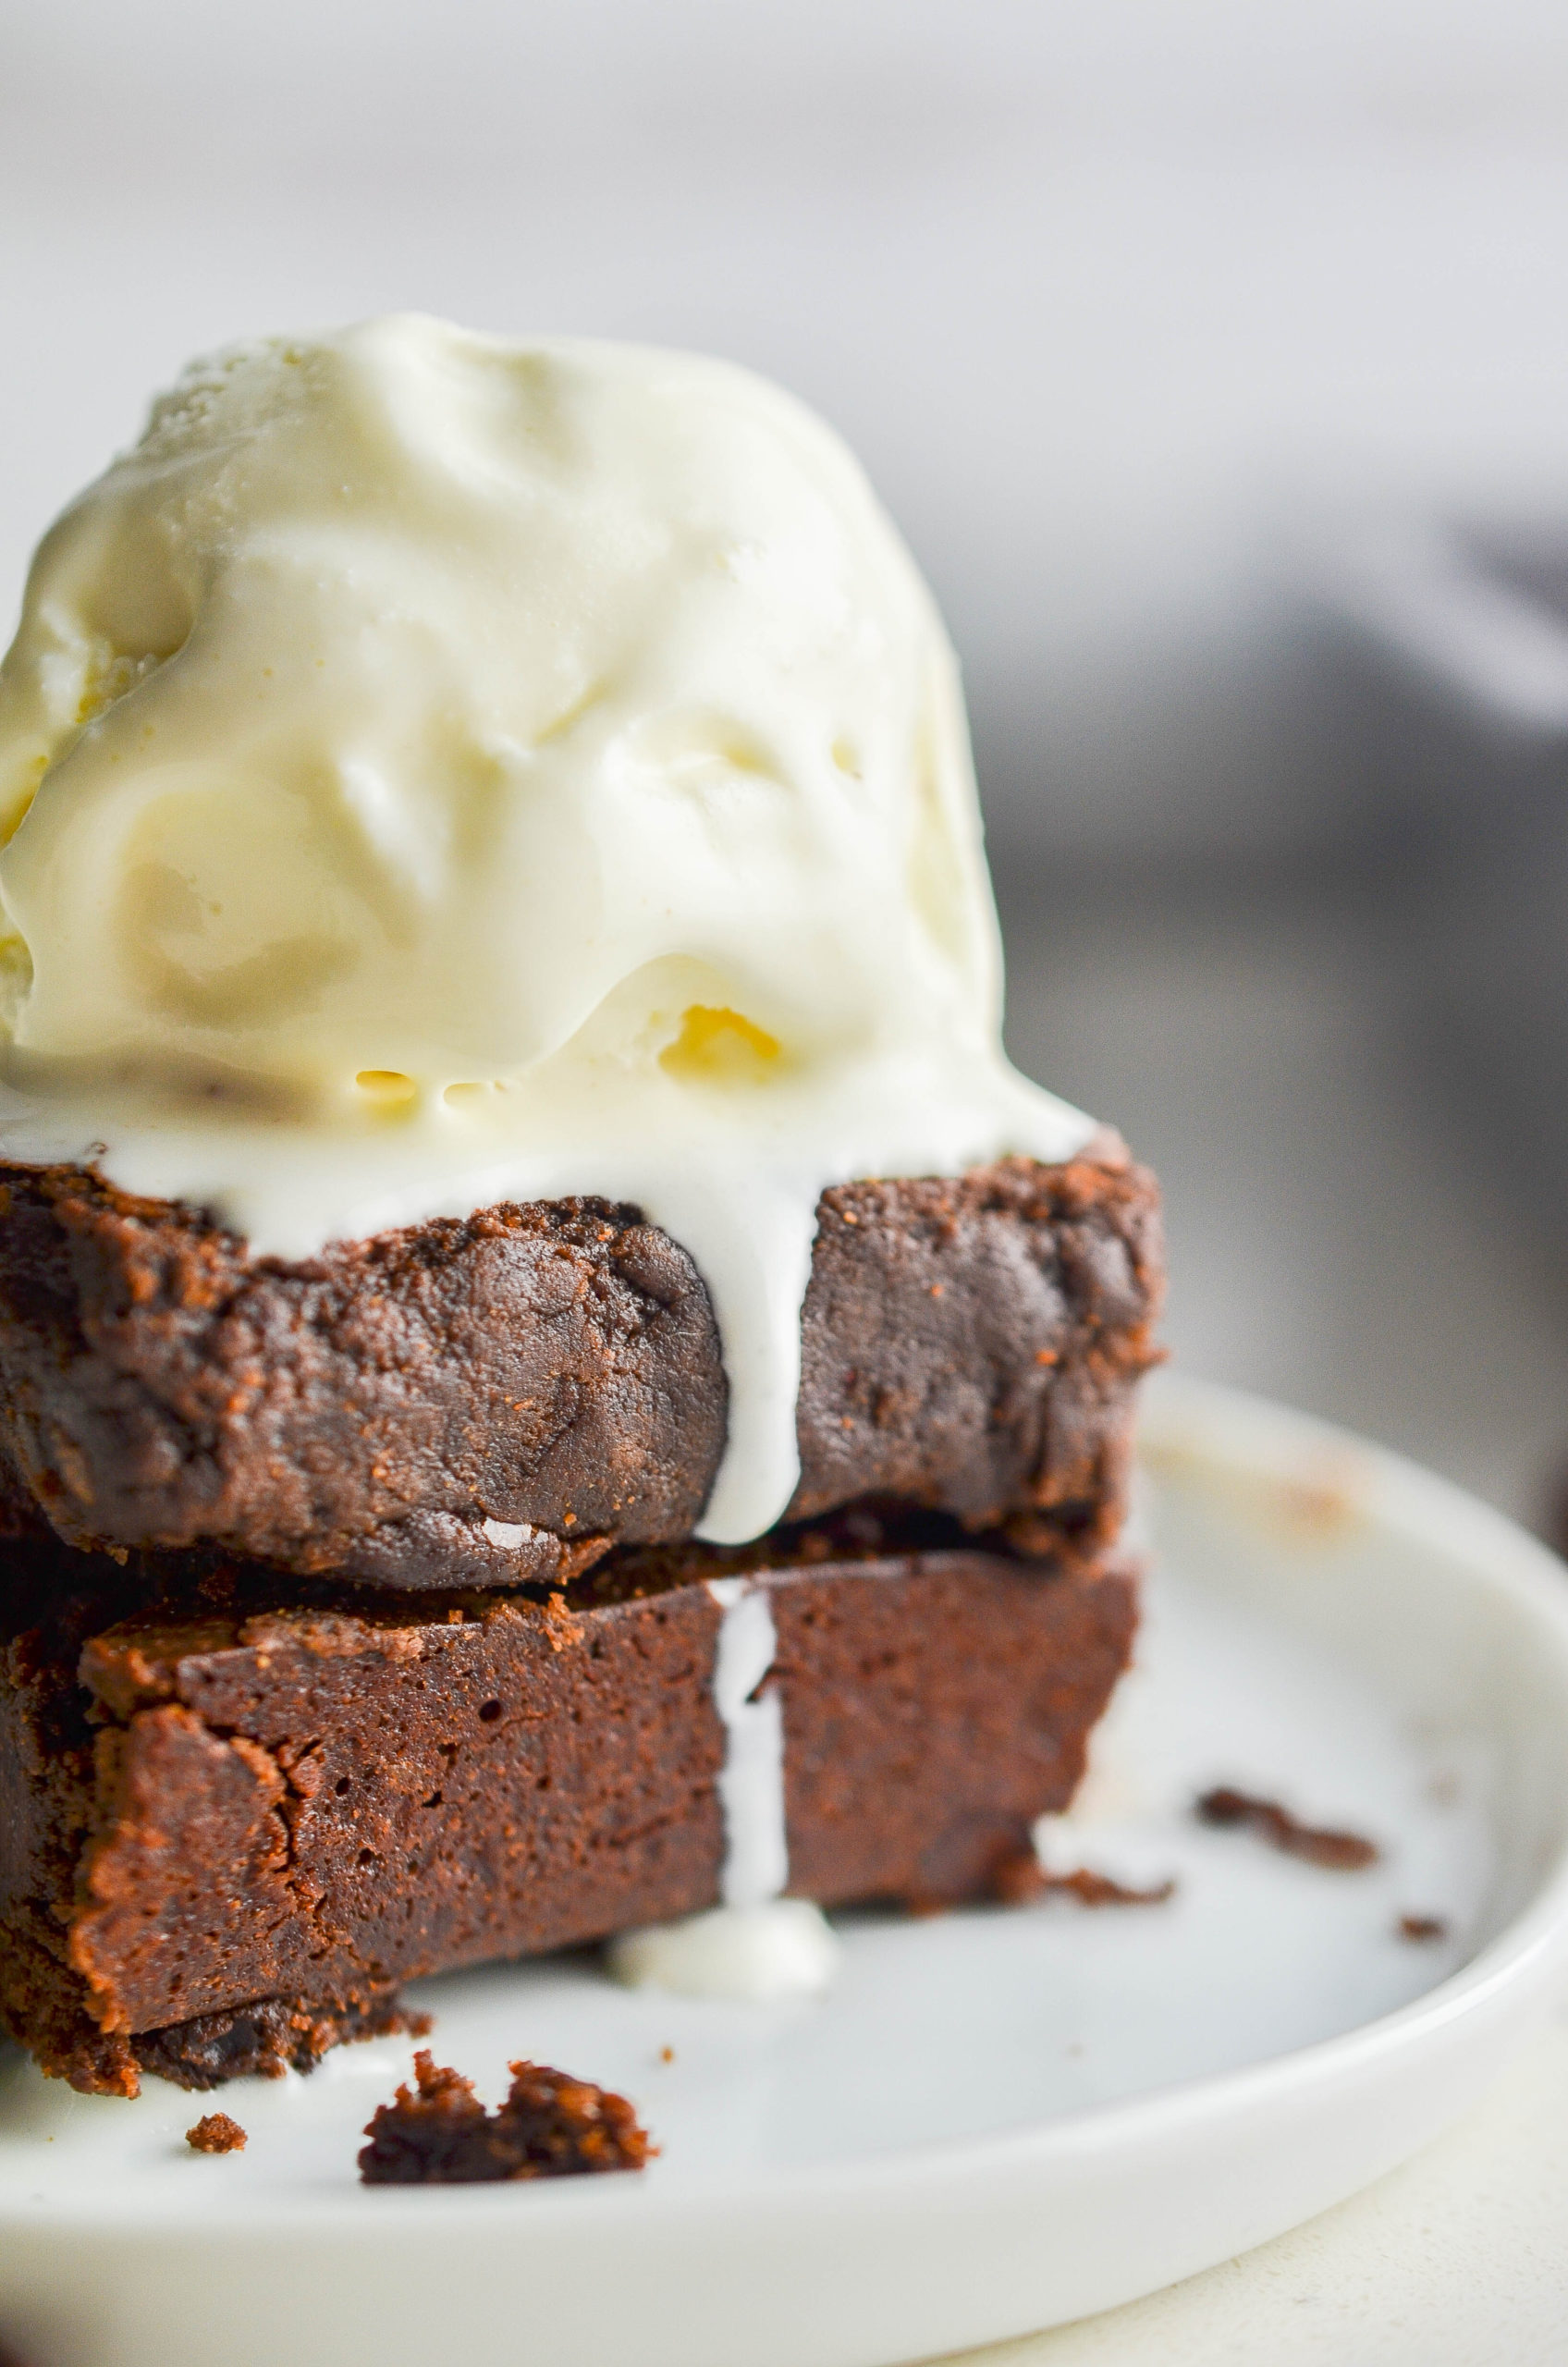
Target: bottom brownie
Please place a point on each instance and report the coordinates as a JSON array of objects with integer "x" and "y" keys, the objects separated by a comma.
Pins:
[{"x": 227, "y": 1831}]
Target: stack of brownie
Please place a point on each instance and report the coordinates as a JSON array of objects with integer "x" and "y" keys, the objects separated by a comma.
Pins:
[{"x": 354, "y": 1627}]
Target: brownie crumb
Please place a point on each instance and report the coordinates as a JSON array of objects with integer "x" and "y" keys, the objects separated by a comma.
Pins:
[
  {"x": 1341, "y": 1852},
  {"x": 215, "y": 2133},
  {"x": 550, "y": 2127},
  {"x": 1422, "y": 1927},
  {"x": 1019, "y": 1881}
]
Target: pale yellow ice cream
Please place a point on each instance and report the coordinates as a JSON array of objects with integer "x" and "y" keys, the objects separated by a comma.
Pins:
[
  {"x": 435, "y": 769},
  {"x": 404, "y": 695}
]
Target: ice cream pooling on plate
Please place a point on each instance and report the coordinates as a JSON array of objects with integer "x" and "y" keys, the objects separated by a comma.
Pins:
[
  {"x": 757, "y": 1945},
  {"x": 437, "y": 769}
]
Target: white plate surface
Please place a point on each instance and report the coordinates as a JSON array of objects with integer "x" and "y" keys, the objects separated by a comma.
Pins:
[{"x": 999, "y": 2119}]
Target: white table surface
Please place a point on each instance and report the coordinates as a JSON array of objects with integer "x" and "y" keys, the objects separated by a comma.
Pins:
[{"x": 1458, "y": 2260}]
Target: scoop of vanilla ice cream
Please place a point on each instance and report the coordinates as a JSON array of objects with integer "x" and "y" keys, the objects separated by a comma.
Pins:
[
  {"x": 436, "y": 770},
  {"x": 409, "y": 705}
]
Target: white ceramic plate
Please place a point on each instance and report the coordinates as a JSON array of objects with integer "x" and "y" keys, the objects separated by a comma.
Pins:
[{"x": 1000, "y": 2119}]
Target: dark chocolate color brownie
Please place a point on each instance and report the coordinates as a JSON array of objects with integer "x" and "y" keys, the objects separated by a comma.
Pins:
[
  {"x": 229, "y": 1830},
  {"x": 500, "y": 1400},
  {"x": 551, "y": 2126}
]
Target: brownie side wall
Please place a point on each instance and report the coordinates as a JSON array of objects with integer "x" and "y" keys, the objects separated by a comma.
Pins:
[
  {"x": 320, "y": 1808},
  {"x": 60, "y": 1767},
  {"x": 969, "y": 1346},
  {"x": 47, "y": 1806},
  {"x": 974, "y": 1345},
  {"x": 330, "y": 1807},
  {"x": 553, "y": 1366},
  {"x": 933, "y": 1715}
]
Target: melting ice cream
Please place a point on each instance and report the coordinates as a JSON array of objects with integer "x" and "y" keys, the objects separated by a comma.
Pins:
[{"x": 437, "y": 769}]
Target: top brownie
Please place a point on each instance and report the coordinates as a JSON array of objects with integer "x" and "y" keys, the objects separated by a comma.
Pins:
[{"x": 499, "y": 1400}]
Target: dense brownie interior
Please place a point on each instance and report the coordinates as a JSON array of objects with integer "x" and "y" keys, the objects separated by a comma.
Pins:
[{"x": 230, "y": 1824}]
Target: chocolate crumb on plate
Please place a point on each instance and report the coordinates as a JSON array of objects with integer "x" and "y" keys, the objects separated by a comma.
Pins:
[
  {"x": 215, "y": 2133},
  {"x": 1422, "y": 1927},
  {"x": 1318, "y": 1845},
  {"x": 550, "y": 2127},
  {"x": 1021, "y": 1879}
]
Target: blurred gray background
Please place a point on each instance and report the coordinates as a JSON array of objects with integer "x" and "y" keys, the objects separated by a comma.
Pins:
[{"x": 1214, "y": 357}]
